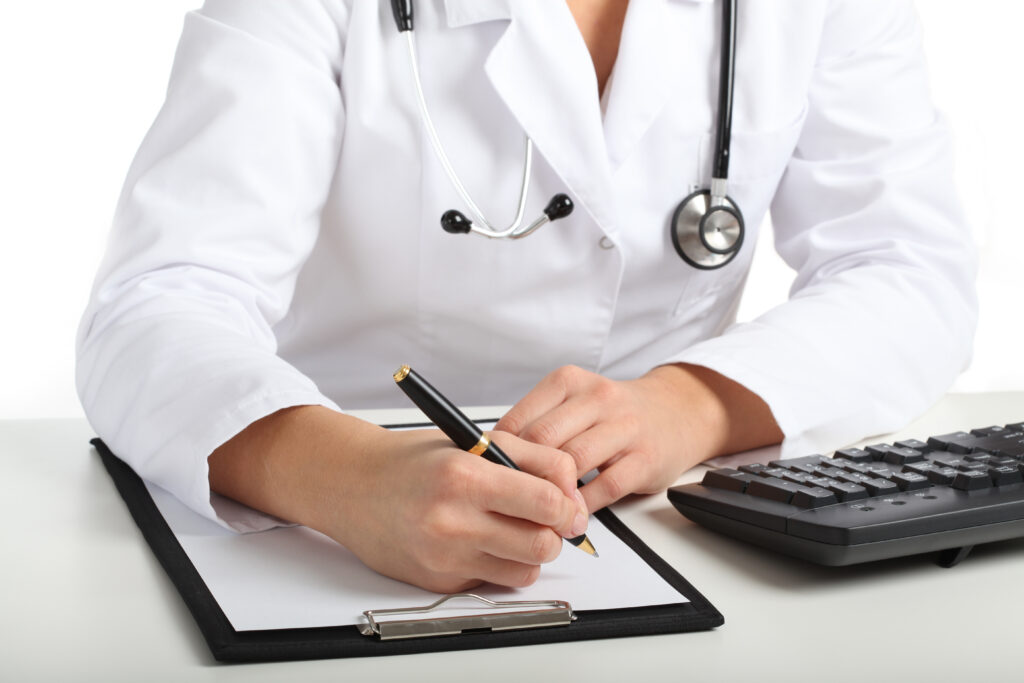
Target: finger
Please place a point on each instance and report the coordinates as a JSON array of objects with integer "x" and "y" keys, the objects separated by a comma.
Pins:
[
  {"x": 626, "y": 476},
  {"x": 563, "y": 422},
  {"x": 519, "y": 541},
  {"x": 523, "y": 496},
  {"x": 551, "y": 464},
  {"x": 598, "y": 446},
  {"x": 504, "y": 572},
  {"x": 548, "y": 393}
]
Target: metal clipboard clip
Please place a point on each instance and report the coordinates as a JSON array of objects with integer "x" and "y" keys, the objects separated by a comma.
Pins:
[{"x": 526, "y": 614}]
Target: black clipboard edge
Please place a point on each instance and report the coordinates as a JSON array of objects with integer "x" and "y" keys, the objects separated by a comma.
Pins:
[{"x": 229, "y": 645}]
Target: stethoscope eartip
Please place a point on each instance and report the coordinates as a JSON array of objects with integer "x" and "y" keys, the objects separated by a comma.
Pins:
[
  {"x": 455, "y": 222},
  {"x": 560, "y": 206}
]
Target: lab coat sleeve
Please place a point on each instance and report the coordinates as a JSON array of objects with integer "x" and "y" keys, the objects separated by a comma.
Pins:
[
  {"x": 882, "y": 310},
  {"x": 221, "y": 206}
]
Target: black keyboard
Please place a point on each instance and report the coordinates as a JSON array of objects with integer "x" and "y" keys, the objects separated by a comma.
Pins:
[{"x": 945, "y": 494}]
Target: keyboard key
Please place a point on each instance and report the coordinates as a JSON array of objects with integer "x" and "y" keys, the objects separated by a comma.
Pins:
[
  {"x": 972, "y": 480},
  {"x": 852, "y": 477},
  {"x": 846, "y": 492},
  {"x": 954, "y": 442},
  {"x": 1009, "y": 443},
  {"x": 1005, "y": 474},
  {"x": 880, "y": 487},
  {"x": 771, "y": 472},
  {"x": 945, "y": 461},
  {"x": 728, "y": 479},
  {"x": 854, "y": 455},
  {"x": 887, "y": 473},
  {"x": 795, "y": 477},
  {"x": 901, "y": 456},
  {"x": 815, "y": 497},
  {"x": 942, "y": 476},
  {"x": 851, "y": 466},
  {"x": 804, "y": 468},
  {"x": 754, "y": 468},
  {"x": 915, "y": 444},
  {"x": 772, "y": 489},
  {"x": 979, "y": 457},
  {"x": 878, "y": 450},
  {"x": 794, "y": 463},
  {"x": 910, "y": 481},
  {"x": 1012, "y": 447},
  {"x": 831, "y": 472},
  {"x": 921, "y": 468},
  {"x": 990, "y": 431},
  {"x": 822, "y": 482}
]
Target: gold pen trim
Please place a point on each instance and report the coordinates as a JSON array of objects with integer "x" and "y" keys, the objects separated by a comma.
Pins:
[
  {"x": 481, "y": 445},
  {"x": 401, "y": 373}
]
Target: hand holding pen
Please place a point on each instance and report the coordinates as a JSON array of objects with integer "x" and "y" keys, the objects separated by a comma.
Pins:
[
  {"x": 468, "y": 436},
  {"x": 408, "y": 503}
]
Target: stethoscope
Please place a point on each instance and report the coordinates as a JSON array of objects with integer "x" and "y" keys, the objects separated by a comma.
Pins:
[{"x": 706, "y": 229}]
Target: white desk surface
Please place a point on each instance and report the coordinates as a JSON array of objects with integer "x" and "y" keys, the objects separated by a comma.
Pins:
[{"x": 83, "y": 598}]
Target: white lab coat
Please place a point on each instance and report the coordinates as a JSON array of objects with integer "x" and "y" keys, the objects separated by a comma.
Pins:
[{"x": 277, "y": 242}]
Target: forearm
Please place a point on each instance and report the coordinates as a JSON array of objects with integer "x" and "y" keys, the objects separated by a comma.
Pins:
[{"x": 288, "y": 464}]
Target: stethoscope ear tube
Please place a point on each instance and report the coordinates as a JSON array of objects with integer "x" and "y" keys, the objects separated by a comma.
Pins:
[{"x": 454, "y": 221}]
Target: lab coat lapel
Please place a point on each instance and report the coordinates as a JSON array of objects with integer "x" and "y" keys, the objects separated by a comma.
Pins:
[
  {"x": 541, "y": 69},
  {"x": 664, "y": 47}
]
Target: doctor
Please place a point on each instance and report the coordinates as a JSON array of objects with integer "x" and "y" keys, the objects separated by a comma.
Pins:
[{"x": 277, "y": 254}]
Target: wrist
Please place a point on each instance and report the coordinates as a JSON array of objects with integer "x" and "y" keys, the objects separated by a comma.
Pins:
[
  {"x": 721, "y": 415},
  {"x": 696, "y": 406}
]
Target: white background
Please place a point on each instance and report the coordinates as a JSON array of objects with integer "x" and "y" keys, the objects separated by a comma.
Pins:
[{"x": 82, "y": 81}]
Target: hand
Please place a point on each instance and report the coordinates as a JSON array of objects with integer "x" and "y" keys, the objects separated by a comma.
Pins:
[
  {"x": 409, "y": 503},
  {"x": 641, "y": 434},
  {"x": 444, "y": 519}
]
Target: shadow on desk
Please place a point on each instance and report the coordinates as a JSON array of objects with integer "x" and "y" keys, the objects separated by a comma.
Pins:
[{"x": 780, "y": 571}]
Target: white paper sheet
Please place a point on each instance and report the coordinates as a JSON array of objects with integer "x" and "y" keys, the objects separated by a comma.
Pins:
[{"x": 294, "y": 577}]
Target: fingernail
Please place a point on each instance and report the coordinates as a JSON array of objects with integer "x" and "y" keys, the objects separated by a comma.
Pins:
[{"x": 579, "y": 524}]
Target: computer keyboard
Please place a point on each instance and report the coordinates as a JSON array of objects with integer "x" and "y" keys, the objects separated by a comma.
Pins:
[{"x": 945, "y": 494}]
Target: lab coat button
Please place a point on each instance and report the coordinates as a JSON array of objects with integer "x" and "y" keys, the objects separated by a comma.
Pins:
[{"x": 606, "y": 243}]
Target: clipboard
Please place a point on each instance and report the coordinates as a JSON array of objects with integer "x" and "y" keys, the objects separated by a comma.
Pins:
[{"x": 350, "y": 640}]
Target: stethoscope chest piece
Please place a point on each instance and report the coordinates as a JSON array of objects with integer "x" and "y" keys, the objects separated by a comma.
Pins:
[{"x": 705, "y": 236}]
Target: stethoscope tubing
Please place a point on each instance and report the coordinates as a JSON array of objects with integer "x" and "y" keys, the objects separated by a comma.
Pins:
[
  {"x": 726, "y": 87},
  {"x": 707, "y": 227},
  {"x": 442, "y": 156}
]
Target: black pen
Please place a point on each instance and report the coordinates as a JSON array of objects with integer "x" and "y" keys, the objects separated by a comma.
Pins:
[{"x": 460, "y": 429}]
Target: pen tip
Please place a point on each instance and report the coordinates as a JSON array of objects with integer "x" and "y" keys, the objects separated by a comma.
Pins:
[{"x": 587, "y": 547}]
